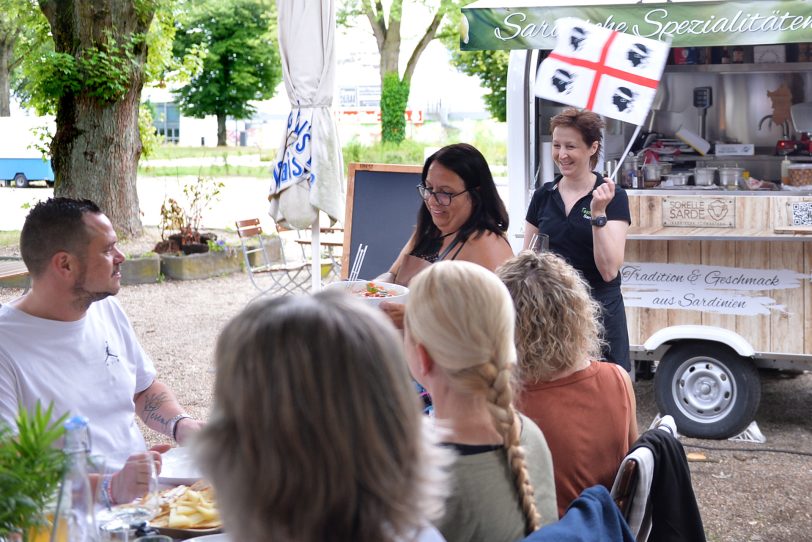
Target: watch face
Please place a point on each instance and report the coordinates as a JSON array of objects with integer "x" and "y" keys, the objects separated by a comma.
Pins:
[{"x": 599, "y": 221}]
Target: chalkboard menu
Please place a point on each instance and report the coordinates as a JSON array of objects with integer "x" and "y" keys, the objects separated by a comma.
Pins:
[{"x": 382, "y": 206}]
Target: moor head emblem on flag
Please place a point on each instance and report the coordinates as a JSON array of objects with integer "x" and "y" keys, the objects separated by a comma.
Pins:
[
  {"x": 609, "y": 72},
  {"x": 623, "y": 99},
  {"x": 638, "y": 54},
  {"x": 562, "y": 80},
  {"x": 577, "y": 37}
]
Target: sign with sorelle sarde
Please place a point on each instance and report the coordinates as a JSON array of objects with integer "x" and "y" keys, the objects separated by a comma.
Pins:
[
  {"x": 699, "y": 212},
  {"x": 531, "y": 24}
]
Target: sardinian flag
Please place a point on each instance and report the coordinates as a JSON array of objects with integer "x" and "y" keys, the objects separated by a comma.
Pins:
[{"x": 608, "y": 72}]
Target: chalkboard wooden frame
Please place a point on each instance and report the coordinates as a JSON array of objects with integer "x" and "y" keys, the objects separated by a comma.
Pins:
[{"x": 404, "y": 179}]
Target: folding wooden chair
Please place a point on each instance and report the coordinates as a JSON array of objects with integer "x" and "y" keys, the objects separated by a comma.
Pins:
[{"x": 286, "y": 277}]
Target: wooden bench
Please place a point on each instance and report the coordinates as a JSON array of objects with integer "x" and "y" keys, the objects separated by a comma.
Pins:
[{"x": 14, "y": 269}]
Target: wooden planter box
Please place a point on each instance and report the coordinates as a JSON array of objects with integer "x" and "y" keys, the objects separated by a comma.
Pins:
[
  {"x": 141, "y": 270},
  {"x": 201, "y": 266}
]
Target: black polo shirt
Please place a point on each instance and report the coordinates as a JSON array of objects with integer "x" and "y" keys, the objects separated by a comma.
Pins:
[{"x": 571, "y": 236}]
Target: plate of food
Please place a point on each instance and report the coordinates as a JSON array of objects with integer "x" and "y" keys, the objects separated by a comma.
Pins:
[
  {"x": 178, "y": 466},
  {"x": 373, "y": 291},
  {"x": 188, "y": 511}
]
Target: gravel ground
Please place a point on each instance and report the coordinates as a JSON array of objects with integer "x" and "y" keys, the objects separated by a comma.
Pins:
[{"x": 745, "y": 492}]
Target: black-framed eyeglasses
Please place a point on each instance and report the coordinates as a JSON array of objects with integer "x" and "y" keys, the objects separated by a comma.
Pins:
[{"x": 442, "y": 198}]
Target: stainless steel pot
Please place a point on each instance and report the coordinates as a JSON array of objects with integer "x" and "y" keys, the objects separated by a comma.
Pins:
[
  {"x": 704, "y": 176},
  {"x": 729, "y": 177},
  {"x": 677, "y": 179},
  {"x": 651, "y": 172}
]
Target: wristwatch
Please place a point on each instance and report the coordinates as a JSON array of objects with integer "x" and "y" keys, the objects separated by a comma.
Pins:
[{"x": 599, "y": 221}]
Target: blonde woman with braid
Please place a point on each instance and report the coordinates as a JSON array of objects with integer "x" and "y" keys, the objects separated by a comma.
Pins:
[
  {"x": 459, "y": 343},
  {"x": 585, "y": 407}
]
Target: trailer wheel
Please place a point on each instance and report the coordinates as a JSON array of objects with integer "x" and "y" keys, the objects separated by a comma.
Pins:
[
  {"x": 20, "y": 181},
  {"x": 709, "y": 390}
]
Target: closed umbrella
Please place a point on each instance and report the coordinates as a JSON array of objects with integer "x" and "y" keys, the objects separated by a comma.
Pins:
[{"x": 308, "y": 172}]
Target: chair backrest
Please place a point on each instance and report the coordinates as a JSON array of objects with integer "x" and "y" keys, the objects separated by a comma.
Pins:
[
  {"x": 250, "y": 231},
  {"x": 655, "y": 466}
]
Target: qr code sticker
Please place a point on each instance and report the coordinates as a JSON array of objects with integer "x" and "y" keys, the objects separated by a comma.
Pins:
[{"x": 801, "y": 213}]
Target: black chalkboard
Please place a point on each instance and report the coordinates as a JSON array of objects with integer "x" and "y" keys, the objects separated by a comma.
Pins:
[{"x": 382, "y": 205}]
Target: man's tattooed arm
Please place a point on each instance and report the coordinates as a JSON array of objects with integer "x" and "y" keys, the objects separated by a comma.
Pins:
[{"x": 156, "y": 406}]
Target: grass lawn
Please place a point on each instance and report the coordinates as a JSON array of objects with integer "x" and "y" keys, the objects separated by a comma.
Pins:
[
  {"x": 205, "y": 171},
  {"x": 9, "y": 238},
  {"x": 170, "y": 152}
]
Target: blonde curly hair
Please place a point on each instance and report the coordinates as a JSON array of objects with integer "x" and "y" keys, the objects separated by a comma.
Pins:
[
  {"x": 557, "y": 321},
  {"x": 463, "y": 316}
]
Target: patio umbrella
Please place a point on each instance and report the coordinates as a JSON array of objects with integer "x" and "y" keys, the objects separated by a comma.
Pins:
[{"x": 308, "y": 171}]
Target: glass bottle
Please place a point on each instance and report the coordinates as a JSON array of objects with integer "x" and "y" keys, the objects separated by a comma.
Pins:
[
  {"x": 725, "y": 56},
  {"x": 738, "y": 55},
  {"x": 75, "y": 502}
]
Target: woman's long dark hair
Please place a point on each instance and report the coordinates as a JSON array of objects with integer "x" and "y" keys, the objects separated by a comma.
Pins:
[{"x": 488, "y": 212}]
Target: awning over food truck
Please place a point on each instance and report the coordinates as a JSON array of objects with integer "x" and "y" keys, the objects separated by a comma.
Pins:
[{"x": 530, "y": 24}]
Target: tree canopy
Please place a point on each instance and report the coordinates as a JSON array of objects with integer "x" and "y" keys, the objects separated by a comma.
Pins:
[
  {"x": 490, "y": 67},
  {"x": 387, "y": 30},
  {"x": 236, "y": 42}
]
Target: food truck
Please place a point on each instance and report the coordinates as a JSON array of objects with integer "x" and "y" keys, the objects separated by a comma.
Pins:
[
  {"x": 21, "y": 160},
  {"x": 718, "y": 262}
]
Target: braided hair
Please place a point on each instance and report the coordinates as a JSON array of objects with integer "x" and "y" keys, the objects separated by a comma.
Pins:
[{"x": 463, "y": 315}]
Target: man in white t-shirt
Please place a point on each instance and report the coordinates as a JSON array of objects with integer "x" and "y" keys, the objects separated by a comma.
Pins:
[{"x": 68, "y": 342}]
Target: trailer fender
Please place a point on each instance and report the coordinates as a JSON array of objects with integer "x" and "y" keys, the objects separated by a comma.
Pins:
[{"x": 700, "y": 333}]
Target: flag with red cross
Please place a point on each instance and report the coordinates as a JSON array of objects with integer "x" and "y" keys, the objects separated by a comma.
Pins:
[{"x": 611, "y": 73}]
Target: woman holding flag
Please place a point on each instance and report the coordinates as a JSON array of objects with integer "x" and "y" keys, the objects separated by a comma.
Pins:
[{"x": 586, "y": 218}]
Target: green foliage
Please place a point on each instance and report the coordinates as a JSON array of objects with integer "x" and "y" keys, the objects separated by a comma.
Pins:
[
  {"x": 215, "y": 170},
  {"x": 30, "y": 469},
  {"x": 490, "y": 67},
  {"x": 187, "y": 219},
  {"x": 406, "y": 152},
  {"x": 240, "y": 62},
  {"x": 149, "y": 135},
  {"x": 9, "y": 238},
  {"x": 394, "y": 97}
]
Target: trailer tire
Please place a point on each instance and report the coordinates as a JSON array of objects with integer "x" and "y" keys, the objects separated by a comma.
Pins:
[
  {"x": 711, "y": 391},
  {"x": 20, "y": 181}
]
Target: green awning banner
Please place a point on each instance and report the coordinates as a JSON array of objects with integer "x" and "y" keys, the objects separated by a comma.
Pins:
[{"x": 489, "y": 25}]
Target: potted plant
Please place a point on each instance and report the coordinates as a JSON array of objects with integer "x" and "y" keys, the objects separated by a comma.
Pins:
[
  {"x": 180, "y": 227},
  {"x": 30, "y": 471}
]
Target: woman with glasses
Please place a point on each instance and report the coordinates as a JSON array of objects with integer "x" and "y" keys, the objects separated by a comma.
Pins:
[
  {"x": 586, "y": 218},
  {"x": 462, "y": 218}
]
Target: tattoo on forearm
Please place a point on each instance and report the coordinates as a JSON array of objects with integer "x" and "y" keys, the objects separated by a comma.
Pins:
[{"x": 152, "y": 407}]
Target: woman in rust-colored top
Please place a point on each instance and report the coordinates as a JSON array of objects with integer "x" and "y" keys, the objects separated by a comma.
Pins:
[{"x": 586, "y": 409}]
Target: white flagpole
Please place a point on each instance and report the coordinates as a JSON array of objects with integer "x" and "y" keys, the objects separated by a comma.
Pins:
[
  {"x": 315, "y": 256},
  {"x": 613, "y": 174}
]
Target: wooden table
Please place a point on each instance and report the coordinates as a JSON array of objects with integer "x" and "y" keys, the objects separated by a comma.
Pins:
[
  {"x": 330, "y": 245},
  {"x": 13, "y": 269}
]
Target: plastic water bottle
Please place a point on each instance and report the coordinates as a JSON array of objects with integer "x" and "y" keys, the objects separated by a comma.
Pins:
[{"x": 75, "y": 503}]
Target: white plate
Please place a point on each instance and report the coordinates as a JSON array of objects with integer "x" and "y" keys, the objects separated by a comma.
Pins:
[
  {"x": 222, "y": 537},
  {"x": 178, "y": 467},
  {"x": 358, "y": 286}
]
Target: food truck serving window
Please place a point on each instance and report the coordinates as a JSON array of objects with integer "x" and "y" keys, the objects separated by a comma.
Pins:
[{"x": 530, "y": 24}]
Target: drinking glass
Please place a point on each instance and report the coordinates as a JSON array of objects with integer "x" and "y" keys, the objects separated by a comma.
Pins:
[
  {"x": 540, "y": 243},
  {"x": 143, "y": 480}
]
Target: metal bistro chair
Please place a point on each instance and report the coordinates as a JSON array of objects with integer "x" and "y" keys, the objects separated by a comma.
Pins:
[{"x": 286, "y": 277}]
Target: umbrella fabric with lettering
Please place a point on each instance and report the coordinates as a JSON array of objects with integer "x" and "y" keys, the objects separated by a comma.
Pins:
[
  {"x": 608, "y": 72},
  {"x": 308, "y": 171}
]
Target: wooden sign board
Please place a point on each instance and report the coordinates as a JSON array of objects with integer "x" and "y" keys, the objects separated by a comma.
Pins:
[
  {"x": 382, "y": 206},
  {"x": 793, "y": 215},
  {"x": 699, "y": 212}
]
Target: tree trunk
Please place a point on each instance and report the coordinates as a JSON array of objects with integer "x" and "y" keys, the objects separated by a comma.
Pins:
[
  {"x": 221, "y": 130},
  {"x": 5, "y": 75},
  {"x": 96, "y": 147}
]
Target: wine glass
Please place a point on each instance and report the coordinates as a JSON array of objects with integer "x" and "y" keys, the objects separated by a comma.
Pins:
[{"x": 139, "y": 477}]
